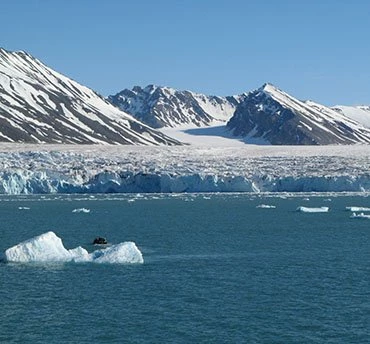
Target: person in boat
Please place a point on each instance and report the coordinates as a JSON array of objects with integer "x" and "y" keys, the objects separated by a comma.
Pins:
[{"x": 100, "y": 241}]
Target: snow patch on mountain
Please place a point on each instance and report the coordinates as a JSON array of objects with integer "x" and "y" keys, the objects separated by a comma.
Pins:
[
  {"x": 360, "y": 114},
  {"x": 214, "y": 135}
]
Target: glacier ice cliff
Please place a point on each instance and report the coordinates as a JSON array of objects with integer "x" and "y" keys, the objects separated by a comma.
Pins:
[{"x": 114, "y": 169}]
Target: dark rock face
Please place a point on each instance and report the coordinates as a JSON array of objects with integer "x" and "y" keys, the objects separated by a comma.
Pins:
[
  {"x": 39, "y": 105},
  {"x": 166, "y": 107},
  {"x": 280, "y": 119}
]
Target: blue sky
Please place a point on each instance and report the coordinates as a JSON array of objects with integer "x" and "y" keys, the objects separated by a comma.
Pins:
[{"x": 315, "y": 50}]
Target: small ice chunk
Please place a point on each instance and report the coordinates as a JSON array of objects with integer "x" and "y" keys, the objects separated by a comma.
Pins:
[
  {"x": 81, "y": 210},
  {"x": 360, "y": 216},
  {"x": 266, "y": 206},
  {"x": 313, "y": 210}
]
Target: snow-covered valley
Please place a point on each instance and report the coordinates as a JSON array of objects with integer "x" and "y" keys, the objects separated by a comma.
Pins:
[{"x": 35, "y": 169}]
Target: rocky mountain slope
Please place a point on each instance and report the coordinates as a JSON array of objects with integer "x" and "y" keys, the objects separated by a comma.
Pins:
[
  {"x": 166, "y": 107},
  {"x": 39, "y": 105},
  {"x": 280, "y": 119}
]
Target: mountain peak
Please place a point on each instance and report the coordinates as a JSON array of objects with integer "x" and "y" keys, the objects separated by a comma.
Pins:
[
  {"x": 266, "y": 85},
  {"x": 269, "y": 88},
  {"x": 279, "y": 118},
  {"x": 150, "y": 88},
  {"x": 22, "y": 53}
]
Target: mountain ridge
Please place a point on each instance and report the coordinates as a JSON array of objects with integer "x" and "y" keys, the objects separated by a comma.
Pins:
[
  {"x": 267, "y": 114},
  {"x": 162, "y": 106},
  {"x": 40, "y": 105}
]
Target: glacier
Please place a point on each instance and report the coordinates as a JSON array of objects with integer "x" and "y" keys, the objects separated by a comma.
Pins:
[
  {"x": 48, "y": 248},
  {"x": 71, "y": 169}
]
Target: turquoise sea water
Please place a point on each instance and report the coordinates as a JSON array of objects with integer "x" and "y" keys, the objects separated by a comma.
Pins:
[{"x": 216, "y": 270}]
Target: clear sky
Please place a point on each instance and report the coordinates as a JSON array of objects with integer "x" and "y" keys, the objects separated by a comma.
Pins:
[{"x": 313, "y": 49}]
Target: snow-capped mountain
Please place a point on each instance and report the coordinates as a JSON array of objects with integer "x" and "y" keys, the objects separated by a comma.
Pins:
[
  {"x": 39, "y": 105},
  {"x": 166, "y": 107},
  {"x": 280, "y": 119}
]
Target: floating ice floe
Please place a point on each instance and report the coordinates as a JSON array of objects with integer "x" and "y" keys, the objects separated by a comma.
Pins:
[
  {"x": 265, "y": 206},
  {"x": 24, "y": 208},
  {"x": 313, "y": 210},
  {"x": 356, "y": 209},
  {"x": 48, "y": 247},
  {"x": 360, "y": 216},
  {"x": 81, "y": 210}
]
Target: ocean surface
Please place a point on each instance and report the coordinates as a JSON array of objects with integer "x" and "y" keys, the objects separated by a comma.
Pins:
[{"x": 217, "y": 269}]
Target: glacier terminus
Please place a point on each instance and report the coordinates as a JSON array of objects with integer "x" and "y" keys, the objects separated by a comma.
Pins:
[{"x": 31, "y": 169}]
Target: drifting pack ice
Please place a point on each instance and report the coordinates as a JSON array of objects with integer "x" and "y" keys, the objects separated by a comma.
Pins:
[
  {"x": 360, "y": 216},
  {"x": 48, "y": 247}
]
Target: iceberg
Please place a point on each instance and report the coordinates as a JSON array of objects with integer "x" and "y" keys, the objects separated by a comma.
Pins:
[
  {"x": 48, "y": 247},
  {"x": 313, "y": 210}
]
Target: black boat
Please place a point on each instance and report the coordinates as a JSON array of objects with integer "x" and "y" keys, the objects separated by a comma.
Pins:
[{"x": 100, "y": 241}]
